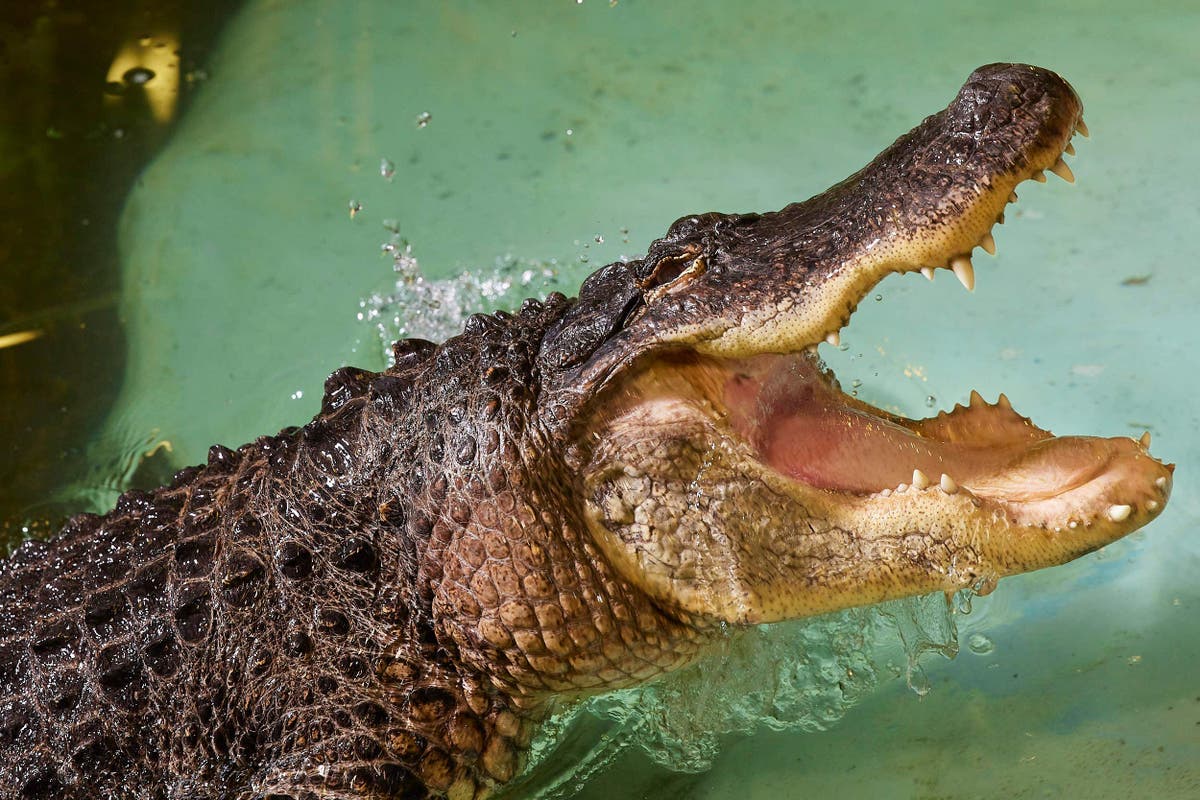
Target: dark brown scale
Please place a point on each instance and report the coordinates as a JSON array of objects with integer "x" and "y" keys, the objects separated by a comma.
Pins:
[
  {"x": 242, "y": 583},
  {"x": 295, "y": 560}
]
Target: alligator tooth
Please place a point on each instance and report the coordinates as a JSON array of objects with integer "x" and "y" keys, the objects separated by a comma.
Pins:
[
  {"x": 948, "y": 485},
  {"x": 1145, "y": 440},
  {"x": 976, "y": 399},
  {"x": 920, "y": 479},
  {"x": 1000, "y": 219},
  {"x": 927, "y": 272},
  {"x": 1160, "y": 482},
  {"x": 902, "y": 487},
  {"x": 964, "y": 271},
  {"x": 988, "y": 243},
  {"x": 1152, "y": 505},
  {"x": 886, "y": 493},
  {"x": 834, "y": 338},
  {"x": 1069, "y": 149},
  {"x": 1003, "y": 402},
  {"x": 1081, "y": 128},
  {"x": 1119, "y": 513},
  {"x": 1039, "y": 176},
  {"x": 1012, "y": 197},
  {"x": 1061, "y": 169}
]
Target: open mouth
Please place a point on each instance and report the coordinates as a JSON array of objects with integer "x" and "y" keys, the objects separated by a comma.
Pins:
[
  {"x": 787, "y": 409},
  {"x": 799, "y": 423},
  {"x": 725, "y": 469}
]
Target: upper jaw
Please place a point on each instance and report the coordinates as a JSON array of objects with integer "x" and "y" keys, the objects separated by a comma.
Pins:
[{"x": 739, "y": 285}]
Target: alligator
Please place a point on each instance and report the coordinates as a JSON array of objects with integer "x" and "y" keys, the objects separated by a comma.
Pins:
[{"x": 572, "y": 498}]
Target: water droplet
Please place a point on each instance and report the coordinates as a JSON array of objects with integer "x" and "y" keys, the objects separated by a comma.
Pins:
[
  {"x": 423, "y": 119},
  {"x": 355, "y": 207},
  {"x": 979, "y": 644},
  {"x": 298, "y": 394},
  {"x": 917, "y": 680},
  {"x": 930, "y": 401},
  {"x": 137, "y": 76},
  {"x": 962, "y": 602},
  {"x": 387, "y": 168},
  {"x": 570, "y": 131},
  {"x": 599, "y": 239}
]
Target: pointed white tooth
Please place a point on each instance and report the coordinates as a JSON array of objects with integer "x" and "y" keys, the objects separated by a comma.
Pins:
[
  {"x": 927, "y": 272},
  {"x": 1003, "y": 402},
  {"x": 1061, "y": 169},
  {"x": 1119, "y": 513},
  {"x": 1012, "y": 197},
  {"x": 920, "y": 479},
  {"x": 1152, "y": 505},
  {"x": 834, "y": 338},
  {"x": 902, "y": 487},
  {"x": 1145, "y": 440},
  {"x": 1069, "y": 149},
  {"x": 948, "y": 485},
  {"x": 1081, "y": 127},
  {"x": 886, "y": 493},
  {"x": 1161, "y": 482},
  {"x": 976, "y": 399},
  {"x": 1000, "y": 219},
  {"x": 964, "y": 271},
  {"x": 1039, "y": 176},
  {"x": 988, "y": 243}
]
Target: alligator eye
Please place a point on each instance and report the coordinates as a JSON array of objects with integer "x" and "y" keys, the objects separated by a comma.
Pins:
[{"x": 672, "y": 270}]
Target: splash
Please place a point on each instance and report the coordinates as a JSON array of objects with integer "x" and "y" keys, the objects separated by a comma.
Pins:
[
  {"x": 435, "y": 309},
  {"x": 798, "y": 676}
]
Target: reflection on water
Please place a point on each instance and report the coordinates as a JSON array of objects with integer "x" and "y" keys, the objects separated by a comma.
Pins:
[{"x": 91, "y": 90}]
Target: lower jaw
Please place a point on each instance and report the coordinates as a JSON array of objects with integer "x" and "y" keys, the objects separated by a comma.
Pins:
[{"x": 802, "y": 426}]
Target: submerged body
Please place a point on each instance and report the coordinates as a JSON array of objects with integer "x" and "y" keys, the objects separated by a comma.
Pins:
[{"x": 567, "y": 500}]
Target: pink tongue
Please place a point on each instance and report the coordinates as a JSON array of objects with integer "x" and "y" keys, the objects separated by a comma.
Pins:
[
  {"x": 829, "y": 446},
  {"x": 807, "y": 431}
]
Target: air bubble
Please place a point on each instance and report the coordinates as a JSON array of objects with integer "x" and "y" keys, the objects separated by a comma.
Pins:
[
  {"x": 979, "y": 644},
  {"x": 387, "y": 168},
  {"x": 423, "y": 119},
  {"x": 930, "y": 401}
]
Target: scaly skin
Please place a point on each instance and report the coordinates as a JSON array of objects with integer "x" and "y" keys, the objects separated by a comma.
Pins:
[{"x": 385, "y": 602}]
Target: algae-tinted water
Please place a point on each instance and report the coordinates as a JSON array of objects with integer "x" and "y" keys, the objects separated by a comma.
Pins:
[{"x": 562, "y": 136}]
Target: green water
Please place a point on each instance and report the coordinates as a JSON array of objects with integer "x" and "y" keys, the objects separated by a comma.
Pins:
[{"x": 563, "y": 135}]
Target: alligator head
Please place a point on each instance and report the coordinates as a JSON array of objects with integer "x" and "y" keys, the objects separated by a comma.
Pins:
[{"x": 729, "y": 476}]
